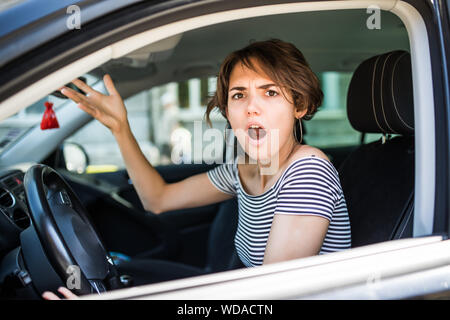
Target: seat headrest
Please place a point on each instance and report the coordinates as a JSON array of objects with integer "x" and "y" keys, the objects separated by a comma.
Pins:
[{"x": 380, "y": 96}]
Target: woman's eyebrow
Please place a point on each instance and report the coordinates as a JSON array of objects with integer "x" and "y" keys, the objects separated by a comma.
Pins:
[
  {"x": 264, "y": 86},
  {"x": 238, "y": 88},
  {"x": 268, "y": 85}
]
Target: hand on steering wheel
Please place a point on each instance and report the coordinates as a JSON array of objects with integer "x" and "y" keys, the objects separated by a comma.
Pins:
[
  {"x": 47, "y": 295},
  {"x": 66, "y": 236}
]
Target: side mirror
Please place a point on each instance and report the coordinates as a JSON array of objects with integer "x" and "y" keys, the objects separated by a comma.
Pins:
[
  {"x": 74, "y": 157},
  {"x": 71, "y": 86}
]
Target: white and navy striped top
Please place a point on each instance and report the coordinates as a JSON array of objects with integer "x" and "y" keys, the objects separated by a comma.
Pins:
[{"x": 308, "y": 186}]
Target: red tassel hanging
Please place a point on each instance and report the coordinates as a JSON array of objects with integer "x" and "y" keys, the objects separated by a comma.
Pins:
[{"x": 49, "y": 120}]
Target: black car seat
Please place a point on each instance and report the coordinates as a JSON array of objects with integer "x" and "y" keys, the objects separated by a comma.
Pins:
[
  {"x": 221, "y": 253},
  {"x": 378, "y": 177}
]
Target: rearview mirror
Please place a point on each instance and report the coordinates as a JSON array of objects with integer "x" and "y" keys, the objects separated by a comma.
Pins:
[{"x": 71, "y": 86}]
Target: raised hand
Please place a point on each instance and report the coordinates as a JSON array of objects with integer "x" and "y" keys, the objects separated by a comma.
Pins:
[{"x": 108, "y": 109}]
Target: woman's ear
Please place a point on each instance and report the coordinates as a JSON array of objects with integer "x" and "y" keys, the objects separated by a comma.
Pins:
[{"x": 300, "y": 112}]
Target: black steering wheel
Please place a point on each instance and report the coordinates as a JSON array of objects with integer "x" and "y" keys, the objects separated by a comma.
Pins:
[{"x": 63, "y": 232}]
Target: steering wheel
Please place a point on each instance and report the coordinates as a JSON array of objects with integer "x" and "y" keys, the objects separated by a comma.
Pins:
[{"x": 65, "y": 234}]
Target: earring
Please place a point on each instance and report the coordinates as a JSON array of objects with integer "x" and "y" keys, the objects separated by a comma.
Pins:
[
  {"x": 301, "y": 131},
  {"x": 227, "y": 126}
]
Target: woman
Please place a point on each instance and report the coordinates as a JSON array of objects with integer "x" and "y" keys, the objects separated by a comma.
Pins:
[{"x": 291, "y": 204}]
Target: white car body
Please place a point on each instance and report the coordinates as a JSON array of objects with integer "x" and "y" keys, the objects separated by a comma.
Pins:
[{"x": 391, "y": 270}]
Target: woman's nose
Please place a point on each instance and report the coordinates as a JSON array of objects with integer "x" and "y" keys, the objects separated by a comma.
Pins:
[{"x": 252, "y": 107}]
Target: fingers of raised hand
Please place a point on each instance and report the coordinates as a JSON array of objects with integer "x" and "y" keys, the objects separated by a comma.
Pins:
[
  {"x": 73, "y": 95},
  {"x": 109, "y": 84},
  {"x": 87, "y": 109},
  {"x": 80, "y": 99},
  {"x": 84, "y": 87}
]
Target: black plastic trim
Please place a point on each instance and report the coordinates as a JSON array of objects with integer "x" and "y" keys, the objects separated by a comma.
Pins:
[
  {"x": 442, "y": 219},
  {"x": 441, "y": 113}
]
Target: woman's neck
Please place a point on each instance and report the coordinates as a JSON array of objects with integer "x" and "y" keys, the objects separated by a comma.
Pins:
[{"x": 267, "y": 170}]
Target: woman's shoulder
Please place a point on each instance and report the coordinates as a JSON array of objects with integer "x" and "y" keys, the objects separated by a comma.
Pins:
[
  {"x": 306, "y": 151},
  {"x": 315, "y": 163},
  {"x": 310, "y": 158}
]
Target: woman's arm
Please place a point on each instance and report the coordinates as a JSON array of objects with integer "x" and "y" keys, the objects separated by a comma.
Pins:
[
  {"x": 155, "y": 194},
  {"x": 293, "y": 237},
  {"x": 305, "y": 206}
]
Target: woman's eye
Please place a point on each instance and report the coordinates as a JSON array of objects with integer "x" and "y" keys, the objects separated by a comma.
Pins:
[
  {"x": 271, "y": 93},
  {"x": 237, "y": 96}
]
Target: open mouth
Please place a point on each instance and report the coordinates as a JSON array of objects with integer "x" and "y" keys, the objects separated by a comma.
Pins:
[{"x": 256, "y": 132}]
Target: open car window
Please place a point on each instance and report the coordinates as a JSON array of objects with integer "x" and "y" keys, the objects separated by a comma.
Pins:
[
  {"x": 167, "y": 121},
  {"x": 166, "y": 91}
]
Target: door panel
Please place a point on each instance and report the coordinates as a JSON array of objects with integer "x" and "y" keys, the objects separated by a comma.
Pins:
[{"x": 179, "y": 235}]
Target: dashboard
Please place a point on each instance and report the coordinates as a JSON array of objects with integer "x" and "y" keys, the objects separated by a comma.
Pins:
[{"x": 14, "y": 215}]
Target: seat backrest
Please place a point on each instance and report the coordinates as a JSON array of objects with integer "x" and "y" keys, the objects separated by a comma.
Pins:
[
  {"x": 221, "y": 253},
  {"x": 378, "y": 178}
]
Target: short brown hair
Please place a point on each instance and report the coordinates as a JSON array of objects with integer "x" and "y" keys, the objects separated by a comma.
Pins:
[{"x": 283, "y": 63}]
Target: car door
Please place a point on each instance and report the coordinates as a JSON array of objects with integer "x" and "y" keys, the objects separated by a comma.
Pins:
[{"x": 439, "y": 207}]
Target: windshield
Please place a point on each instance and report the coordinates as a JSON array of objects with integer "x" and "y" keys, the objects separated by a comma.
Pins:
[
  {"x": 18, "y": 124},
  {"x": 14, "y": 127}
]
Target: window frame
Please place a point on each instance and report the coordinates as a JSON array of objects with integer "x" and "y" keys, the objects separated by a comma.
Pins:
[{"x": 118, "y": 34}]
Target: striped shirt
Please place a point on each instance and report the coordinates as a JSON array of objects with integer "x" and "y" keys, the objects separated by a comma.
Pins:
[{"x": 308, "y": 186}]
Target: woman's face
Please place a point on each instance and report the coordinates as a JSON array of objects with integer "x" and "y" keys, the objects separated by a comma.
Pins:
[{"x": 261, "y": 117}]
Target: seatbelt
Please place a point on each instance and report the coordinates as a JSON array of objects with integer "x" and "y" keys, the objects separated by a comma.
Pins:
[{"x": 404, "y": 219}]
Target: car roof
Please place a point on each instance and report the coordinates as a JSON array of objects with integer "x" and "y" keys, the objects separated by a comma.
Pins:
[
  {"x": 25, "y": 25},
  {"x": 20, "y": 14}
]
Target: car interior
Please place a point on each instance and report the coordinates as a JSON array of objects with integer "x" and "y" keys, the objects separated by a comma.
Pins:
[{"x": 378, "y": 105}]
